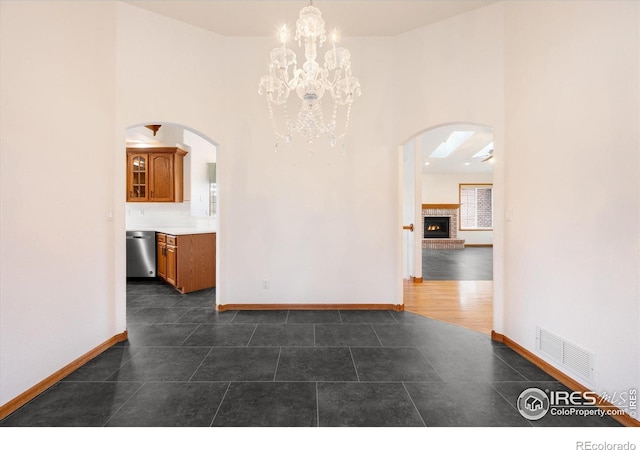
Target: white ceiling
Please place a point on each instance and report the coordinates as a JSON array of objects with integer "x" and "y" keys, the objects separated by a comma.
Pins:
[
  {"x": 461, "y": 159},
  {"x": 351, "y": 18},
  {"x": 169, "y": 135}
]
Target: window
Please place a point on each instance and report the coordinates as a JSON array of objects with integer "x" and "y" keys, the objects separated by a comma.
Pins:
[{"x": 476, "y": 207}]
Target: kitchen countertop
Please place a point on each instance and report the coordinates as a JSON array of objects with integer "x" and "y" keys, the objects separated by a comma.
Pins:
[{"x": 176, "y": 231}]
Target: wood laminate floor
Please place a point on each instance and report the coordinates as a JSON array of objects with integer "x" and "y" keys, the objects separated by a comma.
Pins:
[
  {"x": 465, "y": 303},
  {"x": 457, "y": 288}
]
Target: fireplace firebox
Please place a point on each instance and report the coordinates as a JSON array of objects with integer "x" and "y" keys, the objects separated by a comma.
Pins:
[{"x": 436, "y": 227}]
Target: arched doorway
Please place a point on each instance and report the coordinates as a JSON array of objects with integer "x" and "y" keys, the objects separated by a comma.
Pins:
[
  {"x": 447, "y": 187},
  {"x": 190, "y": 209}
]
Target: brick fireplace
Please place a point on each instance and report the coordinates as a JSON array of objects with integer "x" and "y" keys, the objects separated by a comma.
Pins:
[{"x": 437, "y": 212}]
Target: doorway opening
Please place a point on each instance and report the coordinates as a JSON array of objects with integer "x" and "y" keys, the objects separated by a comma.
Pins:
[
  {"x": 172, "y": 192},
  {"x": 448, "y": 259}
]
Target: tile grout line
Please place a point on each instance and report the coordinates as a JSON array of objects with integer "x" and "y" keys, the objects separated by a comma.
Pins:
[
  {"x": 508, "y": 401},
  {"x": 123, "y": 404},
  {"x": 414, "y": 404},
  {"x": 377, "y": 337},
  {"x": 200, "y": 365},
  {"x": 220, "y": 405},
  {"x": 255, "y": 328},
  {"x": 275, "y": 372},
  {"x": 317, "y": 406},
  {"x": 430, "y": 363},
  {"x": 511, "y": 367},
  {"x": 121, "y": 364},
  {"x": 190, "y": 334},
  {"x": 353, "y": 361},
  {"x": 182, "y": 315}
]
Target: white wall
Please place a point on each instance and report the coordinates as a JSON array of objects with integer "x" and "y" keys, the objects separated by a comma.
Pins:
[
  {"x": 57, "y": 277},
  {"x": 409, "y": 202},
  {"x": 450, "y": 72},
  {"x": 151, "y": 215},
  {"x": 202, "y": 153},
  {"x": 304, "y": 223},
  {"x": 572, "y": 137},
  {"x": 444, "y": 188}
]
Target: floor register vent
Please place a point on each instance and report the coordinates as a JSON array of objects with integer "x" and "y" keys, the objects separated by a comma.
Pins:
[{"x": 578, "y": 361}]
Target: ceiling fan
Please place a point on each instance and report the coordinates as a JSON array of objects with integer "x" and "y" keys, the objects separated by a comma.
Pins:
[{"x": 488, "y": 157}]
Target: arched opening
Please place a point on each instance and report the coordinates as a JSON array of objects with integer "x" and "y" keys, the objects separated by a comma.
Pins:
[
  {"x": 447, "y": 179},
  {"x": 171, "y": 219}
]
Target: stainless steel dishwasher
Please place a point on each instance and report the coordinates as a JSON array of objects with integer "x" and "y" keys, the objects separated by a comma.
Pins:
[{"x": 141, "y": 254}]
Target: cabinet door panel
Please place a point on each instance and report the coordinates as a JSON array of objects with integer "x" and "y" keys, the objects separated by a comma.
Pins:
[
  {"x": 161, "y": 255},
  {"x": 161, "y": 180},
  {"x": 172, "y": 264}
]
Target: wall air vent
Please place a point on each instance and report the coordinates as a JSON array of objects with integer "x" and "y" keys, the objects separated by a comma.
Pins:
[{"x": 578, "y": 361}]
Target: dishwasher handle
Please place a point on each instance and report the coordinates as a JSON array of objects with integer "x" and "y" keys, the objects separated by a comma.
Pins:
[{"x": 141, "y": 235}]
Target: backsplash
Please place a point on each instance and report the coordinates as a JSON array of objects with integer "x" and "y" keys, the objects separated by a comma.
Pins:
[{"x": 150, "y": 215}]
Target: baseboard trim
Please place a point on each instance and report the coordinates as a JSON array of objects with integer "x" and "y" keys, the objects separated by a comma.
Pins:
[
  {"x": 416, "y": 279},
  {"x": 33, "y": 392},
  {"x": 625, "y": 419},
  {"x": 478, "y": 245},
  {"x": 308, "y": 306}
]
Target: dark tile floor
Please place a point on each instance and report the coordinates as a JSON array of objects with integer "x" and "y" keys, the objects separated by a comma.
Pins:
[
  {"x": 186, "y": 365},
  {"x": 470, "y": 263}
]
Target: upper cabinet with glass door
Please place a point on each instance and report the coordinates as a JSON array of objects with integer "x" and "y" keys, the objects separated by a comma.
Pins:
[
  {"x": 137, "y": 177},
  {"x": 155, "y": 174}
]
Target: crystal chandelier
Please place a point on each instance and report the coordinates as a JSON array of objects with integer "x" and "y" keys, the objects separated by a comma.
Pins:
[{"x": 310, "y": 82}]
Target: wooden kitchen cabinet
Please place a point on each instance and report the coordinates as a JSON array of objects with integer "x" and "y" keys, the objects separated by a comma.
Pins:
[
  {"x": 172, "y": 260},
  {"x": 155, "y": 174},
  {"x": 161, "y": 255},
  {"x": 188, "y": 262}
]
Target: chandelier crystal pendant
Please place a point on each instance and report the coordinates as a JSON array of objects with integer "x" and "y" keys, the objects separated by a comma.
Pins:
[{"x": 310, "y": 82}]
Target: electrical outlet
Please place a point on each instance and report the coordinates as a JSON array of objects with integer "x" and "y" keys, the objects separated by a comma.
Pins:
[
  {"x": 265, "y": 284},
  {"x": 142, "y": 212}
]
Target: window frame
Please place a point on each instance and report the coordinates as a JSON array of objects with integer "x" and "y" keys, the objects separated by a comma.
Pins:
[{"x": 477, "y": 186}]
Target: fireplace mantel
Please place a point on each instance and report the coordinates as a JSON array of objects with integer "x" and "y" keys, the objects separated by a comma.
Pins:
[{"x": 440, "y": 205}]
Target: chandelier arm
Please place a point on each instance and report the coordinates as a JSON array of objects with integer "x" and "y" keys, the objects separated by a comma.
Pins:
[
  {"x": 292, "y": 84},
  {"x": 282, "y": 75},
  {"x": 332, "y": 83}
]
